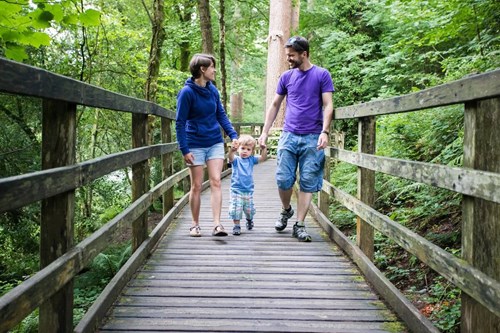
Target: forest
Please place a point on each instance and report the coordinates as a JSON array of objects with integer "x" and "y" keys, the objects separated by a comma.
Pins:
[{"x": 373, "y": 49}]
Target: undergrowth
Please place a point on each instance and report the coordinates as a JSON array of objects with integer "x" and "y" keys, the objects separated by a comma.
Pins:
[
  {"x": 88, "y": 285},
  {"x": 433, "y": 136}
]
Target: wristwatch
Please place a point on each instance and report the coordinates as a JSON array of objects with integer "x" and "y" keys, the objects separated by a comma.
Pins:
[{"x": 326, "y": 132}]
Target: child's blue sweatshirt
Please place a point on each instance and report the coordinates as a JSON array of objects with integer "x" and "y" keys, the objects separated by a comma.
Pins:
[{"x": 200, "y": 115}]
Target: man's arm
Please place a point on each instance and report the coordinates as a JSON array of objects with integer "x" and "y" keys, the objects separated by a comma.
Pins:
[
  {"x": 263, "y": 154},
  {"x": 327, "y": 110},
  {"x": 271, "y": 114},
  {"x": 327, "y": 98}
]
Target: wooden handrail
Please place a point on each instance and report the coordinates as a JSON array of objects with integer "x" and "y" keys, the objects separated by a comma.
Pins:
[
  {"x": 472, "y": 88},
  {"x": 479, "y": 185},
  {"x": 476, "y": 183},
  {"x": 21, "y": 79},
  {"x": 19, "y": 191},
  {"x": 477, "y": 274},
  {"x": 51, "y": 288}
]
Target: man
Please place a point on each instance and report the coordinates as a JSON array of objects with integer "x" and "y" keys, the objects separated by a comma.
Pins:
[{"x": 309, "y": 112}]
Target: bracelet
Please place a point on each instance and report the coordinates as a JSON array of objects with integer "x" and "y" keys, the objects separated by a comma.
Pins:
[{"x": 326, "y": 132}]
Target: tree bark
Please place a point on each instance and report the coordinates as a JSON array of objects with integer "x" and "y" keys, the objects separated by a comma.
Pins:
[
  {"x": 207, "y": 41},
  {"x": 280, "y": 22},
  {"x": 237, "y": 106},
  {"x": 184, "y": 12},
  {"x": 157, "y": 39},
  {"x": 151, "y": 85},
  {"x": 222, "y": 53}
]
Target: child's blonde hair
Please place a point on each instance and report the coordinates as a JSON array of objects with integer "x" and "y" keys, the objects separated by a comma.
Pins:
[{"x": 247, "y": 140}]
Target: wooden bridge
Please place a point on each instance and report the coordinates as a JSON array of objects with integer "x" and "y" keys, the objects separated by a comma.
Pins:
[{"x": 261, "y": 281}]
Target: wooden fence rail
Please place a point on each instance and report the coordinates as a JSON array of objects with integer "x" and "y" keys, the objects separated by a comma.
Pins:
[
  {"x": 51, "y": 289},
  {"x": 477, "y": 274}
]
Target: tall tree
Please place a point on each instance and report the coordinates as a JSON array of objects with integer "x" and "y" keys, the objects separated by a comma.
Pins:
[
  {"x": 279, "y": 31},
  {"x": 207, "y": 40},
  {"x": 157, "y": 39},
  {"x": 222, "y": 52},
  {"x": 154, "y": 62}
]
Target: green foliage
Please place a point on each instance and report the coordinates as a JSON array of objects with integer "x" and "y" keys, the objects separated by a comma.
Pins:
[
  {"x": 372, "y": 48},
  {"x": 23, "y": 25},
  {"x": 88, "y": 285},
  {"x": 444, "y": 302},
  {"x": 28, "y": 325},
  {"x": 18, "y": 247}
]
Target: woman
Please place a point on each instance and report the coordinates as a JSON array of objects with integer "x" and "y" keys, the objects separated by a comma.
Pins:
[{"x": 200, "y": 115}]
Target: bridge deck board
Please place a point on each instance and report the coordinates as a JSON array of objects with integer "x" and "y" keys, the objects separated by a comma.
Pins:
[{"x": 261, "y": 281}]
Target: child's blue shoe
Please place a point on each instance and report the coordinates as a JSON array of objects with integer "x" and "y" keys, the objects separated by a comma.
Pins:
[{"x": 237, "y": 230}]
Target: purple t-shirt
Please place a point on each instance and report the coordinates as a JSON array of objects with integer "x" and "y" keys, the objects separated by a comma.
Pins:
[{"x": 304, "y": 104}]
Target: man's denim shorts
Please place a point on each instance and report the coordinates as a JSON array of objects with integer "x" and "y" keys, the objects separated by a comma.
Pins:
[
  {"x": 295, "y": 150},
  {"x": 202, "y": 155}
]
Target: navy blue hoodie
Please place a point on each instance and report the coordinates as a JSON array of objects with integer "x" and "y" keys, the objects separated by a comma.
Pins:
[{"x": 200, "y": 115}]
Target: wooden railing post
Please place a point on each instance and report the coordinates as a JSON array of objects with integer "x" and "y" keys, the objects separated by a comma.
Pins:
[
  {"x": 139, "y": 181},
  {"x": 480, "y": 221},
  {"x": 366, "y": 184},
  {"x": 167, "y": 164},
  {"x": 323, "y": 197},
  {"x": 57, "y": 213}
]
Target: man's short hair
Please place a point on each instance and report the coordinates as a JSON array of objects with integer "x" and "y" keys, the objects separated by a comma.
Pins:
[{"x": 298, "y": 43}]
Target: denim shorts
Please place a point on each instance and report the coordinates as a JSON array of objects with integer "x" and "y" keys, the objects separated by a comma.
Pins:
[
  {"x": 202, "y": 155},
  {"x": 299, "y": 151}
]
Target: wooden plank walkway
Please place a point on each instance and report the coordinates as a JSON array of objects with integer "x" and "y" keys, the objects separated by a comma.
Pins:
[{"x": 261, "y": 281}]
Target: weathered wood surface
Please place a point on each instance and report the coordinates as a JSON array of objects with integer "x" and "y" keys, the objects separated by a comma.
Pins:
[
  {"x": 25, "y": 298},
  {"x": 18, "y": 78},
  {"x": 475, "y": 87},
  {"x": 481, "y": 218},
  {"x": 261, "y": 281},
  {"x": 413, "y": 318},
  {"x": 366, "y": 185},
  {"x": 18, "y": 191},
  {"x": 477, "y": 183},
  {"x": 481, "y": 287}
]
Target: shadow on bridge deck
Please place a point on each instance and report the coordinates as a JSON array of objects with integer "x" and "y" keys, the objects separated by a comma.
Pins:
[{"x": 261, "y": 281}]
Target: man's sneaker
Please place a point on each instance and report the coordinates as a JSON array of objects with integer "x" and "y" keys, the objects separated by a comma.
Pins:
[
  {"x": 249, "y": 224},
  {"x": 280, "y": 225},
  {"x": 236, "y": 230},
  {"x": 299, "y": 232}
]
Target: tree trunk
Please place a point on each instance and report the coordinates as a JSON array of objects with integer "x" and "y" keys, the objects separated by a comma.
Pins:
[
  {"x": 280, "y": 20},
  {"x": 295, "y": 16},
  {"x": 151, "y": 86},
  {"x": 310, "y": 4},
  {"x": 237, "y": 106},
  {"x": 207, "y": 41},
  {"x": 236, "y": 99},
  {"x": 157, "y": 39},
  {"x": 222, "y": 53},
  {"x": 184, "y": 12}
]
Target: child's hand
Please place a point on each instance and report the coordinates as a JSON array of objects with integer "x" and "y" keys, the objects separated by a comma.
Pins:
[{"x": 234, "y": 145}]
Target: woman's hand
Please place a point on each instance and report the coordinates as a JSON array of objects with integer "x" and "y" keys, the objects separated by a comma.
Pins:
[{"x": 189, "y": 158}]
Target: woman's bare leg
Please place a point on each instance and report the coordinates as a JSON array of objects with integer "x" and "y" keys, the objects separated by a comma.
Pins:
[
  {"x": 214, "y": 173},
  {"x": 196, "y": 175}
]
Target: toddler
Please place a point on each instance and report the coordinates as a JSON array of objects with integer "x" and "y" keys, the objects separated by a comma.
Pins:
[{"x": 241, "y": 196}]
